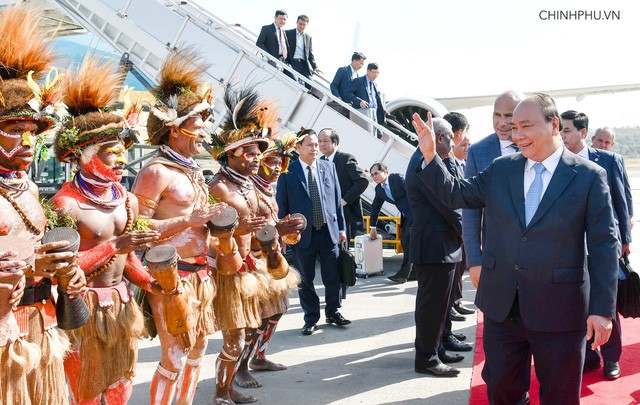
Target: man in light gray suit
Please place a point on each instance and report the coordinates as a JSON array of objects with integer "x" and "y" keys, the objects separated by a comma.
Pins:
[
  {"x": 481, "y": 154},
  {"x": 539, "y": 297}
]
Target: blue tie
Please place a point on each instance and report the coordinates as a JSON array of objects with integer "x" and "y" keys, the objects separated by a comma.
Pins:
[
  {"x": 387, "y": 191},
  {"x": 534, "y": 195}
]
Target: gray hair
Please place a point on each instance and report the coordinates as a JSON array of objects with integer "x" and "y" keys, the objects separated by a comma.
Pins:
[
  {"x": 441, "y": 126},
  {"x": 605, "y": 129}
]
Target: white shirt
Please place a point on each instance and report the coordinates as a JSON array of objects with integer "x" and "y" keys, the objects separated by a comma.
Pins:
[
  {"x": 314, "y": 167},
  {"x": 354, "y": 73},
  {"x": 332, "y": 156},
  {"x": 549, "y": 164},
  {"x": 299, "y": 53},
  {"x": 584, "y": 152},
  {"x": 505, "y": 148},
  {"x": 278, "y": 30}
]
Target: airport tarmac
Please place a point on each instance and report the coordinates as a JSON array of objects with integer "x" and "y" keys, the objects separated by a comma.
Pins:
[{"x": 367, "y": 362}]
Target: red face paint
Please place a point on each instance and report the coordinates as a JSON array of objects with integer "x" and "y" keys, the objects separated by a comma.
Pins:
[{"x": 97, "y": 167}]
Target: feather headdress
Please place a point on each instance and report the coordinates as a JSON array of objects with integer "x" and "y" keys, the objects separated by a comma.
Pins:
[
  {"x": 89, "y": 92},
  {"x": 283, "y": 147},
  {"x": 25, "y": 54},
  {"x": 249, "y": 119},
  {"x": 179, "y": 95}
]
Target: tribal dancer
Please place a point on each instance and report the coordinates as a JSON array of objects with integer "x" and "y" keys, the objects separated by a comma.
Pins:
[
  {"x": 239, "y": 148},
  {"x": 105, "y": 350},
  {"x": 172, "y": 192},
  {"x": 31, "y": 370},
  {"x": 275, "y": 160}
]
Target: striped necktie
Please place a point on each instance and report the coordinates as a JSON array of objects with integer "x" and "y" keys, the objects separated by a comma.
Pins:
[{"x": 316, "y": 205}]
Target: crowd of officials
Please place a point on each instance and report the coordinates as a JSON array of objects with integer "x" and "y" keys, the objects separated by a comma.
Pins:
[{"x": 538, "y": 218}]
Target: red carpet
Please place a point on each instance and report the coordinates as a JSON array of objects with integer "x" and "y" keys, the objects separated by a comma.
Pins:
[{"x": 595, "y": 389}]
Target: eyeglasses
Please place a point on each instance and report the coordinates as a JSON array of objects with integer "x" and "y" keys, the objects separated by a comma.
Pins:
[{"x": 375, "y": 174}]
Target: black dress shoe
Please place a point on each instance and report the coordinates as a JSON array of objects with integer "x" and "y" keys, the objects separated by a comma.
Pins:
[
  {"x": 461, "y": 309},
  {"x": 456, "y": 316},
  {"x": 611, "y": 370},
  {"x": 338, "y": 320},
  {"x": 308, "y": 328},
  {"x": 459, "y": 336},
  {"x": 441, "y": 370},
  {"x": 397, "y": 279},
  {"x": 590, "y": 365},
  {"x": 448, "y": 357},
  {"x": 454, "y": 345}
]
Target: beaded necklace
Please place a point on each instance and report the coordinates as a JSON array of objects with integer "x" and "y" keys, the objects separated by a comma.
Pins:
[
  {"x": 118, "y": 192},
  {"x": 127, "y": 228},
  {"x": 245, "y": 186},
  {"x": 32, "y": 227},
  {"x": 16, "y": 181}
]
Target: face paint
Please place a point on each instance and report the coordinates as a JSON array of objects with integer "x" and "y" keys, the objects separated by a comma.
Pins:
[
  {"x": 192, "y": 134},
  {"x": 27, "y": 139},
  {"x": 97, "y": 167},
  {"x": 24, "y": 139}
]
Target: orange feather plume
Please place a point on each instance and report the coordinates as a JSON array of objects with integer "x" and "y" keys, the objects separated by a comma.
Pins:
[
  {"x": 94, "y": 86},
  {"x": 24, "y": 46}
]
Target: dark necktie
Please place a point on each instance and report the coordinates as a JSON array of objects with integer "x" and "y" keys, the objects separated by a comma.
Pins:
[
  {"x": 324, "y": 158},
  {"x": 316, "y": 205},
  {"x": 515, "y": 147}
]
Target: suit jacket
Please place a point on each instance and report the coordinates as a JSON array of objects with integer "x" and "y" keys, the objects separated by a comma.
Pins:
[
  {"x": 543, "y": 262},
  {"x": 353, "y": 182},
  {"x": 436, "y": 229},
  {"x": 268, "y": 40},
  {"x": 308, "y": 48},
  {"x": 627, "y": 188},
  {"x": 612, "y": 163},
  {"x": 480, "y": 156},
  {"x": 342, "y": 83},
  {"x": 399, "y": 194},
  {"x": 359, "y": 92},
  {"x": 292, "y": 196}
]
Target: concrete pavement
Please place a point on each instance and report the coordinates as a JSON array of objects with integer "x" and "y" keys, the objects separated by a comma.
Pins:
[{"x": 367, "y": 362}]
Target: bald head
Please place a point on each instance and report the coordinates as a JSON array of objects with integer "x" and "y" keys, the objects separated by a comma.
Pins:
[{"x": 503, "y": 108}]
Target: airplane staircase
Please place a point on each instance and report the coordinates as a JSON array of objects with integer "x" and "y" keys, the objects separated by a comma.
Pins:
[{"x": 147, "y": 30}]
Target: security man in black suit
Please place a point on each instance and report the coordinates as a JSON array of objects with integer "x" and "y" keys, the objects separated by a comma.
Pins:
[
  {"x": 301, "y": 49},
  {"x": 436, "y": 247},
  {"x": 352, "y": 180}
]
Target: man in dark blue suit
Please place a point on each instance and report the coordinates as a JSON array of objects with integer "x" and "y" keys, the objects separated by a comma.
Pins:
[
  {"x": 364, "y": 93},
  {"x": 436, "y": 247},
  {"x": 605, "y": 139},
  {"x": 342, "y": 80},
  {"x": 480, "y": 156},
  {"x": 311, "y": 188},
  {"x": 390, "y": 188},
  {"x": 538, "y": 296},
  {"x": 575, "y": 126}
]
